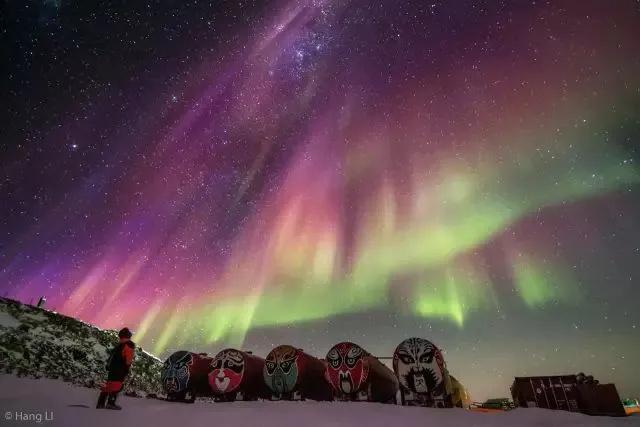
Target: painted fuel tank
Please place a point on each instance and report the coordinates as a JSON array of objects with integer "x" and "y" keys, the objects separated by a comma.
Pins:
[
  {"x": 422, "y": 373},
  {"x": 291, "y": 373},
  {"x": 184, "y": 376},
  {"x": 357, "y": 375},
  {"x": 236, "y": 374}
]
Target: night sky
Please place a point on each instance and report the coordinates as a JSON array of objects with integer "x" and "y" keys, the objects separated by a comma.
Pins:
[{"x": 255, "y": 173}]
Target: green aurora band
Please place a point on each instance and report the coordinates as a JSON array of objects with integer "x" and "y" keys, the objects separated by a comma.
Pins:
[{"x": 428, "y": 251}]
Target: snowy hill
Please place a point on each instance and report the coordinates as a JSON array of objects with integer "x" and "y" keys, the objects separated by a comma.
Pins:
[
  {"x": 40, "y": 343},
  {"x": 23, "y": 397}
]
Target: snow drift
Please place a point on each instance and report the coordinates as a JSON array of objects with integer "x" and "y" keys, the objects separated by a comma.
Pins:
[{"x": 63, "y": 402}]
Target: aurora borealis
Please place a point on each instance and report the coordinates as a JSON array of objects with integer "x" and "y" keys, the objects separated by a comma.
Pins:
[{"x": 302, "y": 172}]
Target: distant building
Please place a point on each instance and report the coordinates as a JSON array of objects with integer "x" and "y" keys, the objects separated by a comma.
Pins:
[{"x": 567, "y": 393}]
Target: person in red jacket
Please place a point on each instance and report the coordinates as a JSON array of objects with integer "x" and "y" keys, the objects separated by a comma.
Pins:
[{"x": 118, "y": 365}]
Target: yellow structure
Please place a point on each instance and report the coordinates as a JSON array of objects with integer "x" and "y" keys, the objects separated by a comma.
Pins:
[{"x": 459, "y": 395}]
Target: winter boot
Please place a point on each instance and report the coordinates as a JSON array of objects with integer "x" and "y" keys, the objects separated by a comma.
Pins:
[
  {"x": 102, "y": 399},
  {"x": 111, "y": 403}
]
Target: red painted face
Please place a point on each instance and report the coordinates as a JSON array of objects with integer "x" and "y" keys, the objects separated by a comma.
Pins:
[
  {"x": 346, "y": 367},
  {"x": 227, "y": 371}
]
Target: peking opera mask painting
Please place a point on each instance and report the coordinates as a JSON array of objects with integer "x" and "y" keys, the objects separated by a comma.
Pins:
[
  {"x": 347, "y": 369},
  {"x": 227, "y": 370},
  {"x": 281, "y": 369},
  {"x": 420, "y": 367},
  {"x": 176, "y": 372}
]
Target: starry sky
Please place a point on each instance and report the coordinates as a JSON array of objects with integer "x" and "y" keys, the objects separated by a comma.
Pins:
[{"x": 255, "y": 173}]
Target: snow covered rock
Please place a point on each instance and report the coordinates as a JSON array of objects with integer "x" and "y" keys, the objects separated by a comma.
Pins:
[{"x": 39, "y": 343}]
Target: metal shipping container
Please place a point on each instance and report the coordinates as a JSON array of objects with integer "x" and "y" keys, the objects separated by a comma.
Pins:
[
  {"x": 551, "y": 392},
  {"x": 563, "y": 392}
]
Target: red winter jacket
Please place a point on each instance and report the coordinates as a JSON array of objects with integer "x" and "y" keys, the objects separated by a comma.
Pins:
[{"x": 120, "y": 361}]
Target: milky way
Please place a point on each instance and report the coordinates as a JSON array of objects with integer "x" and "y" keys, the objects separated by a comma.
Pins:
[{"x": 308, "y": 171}]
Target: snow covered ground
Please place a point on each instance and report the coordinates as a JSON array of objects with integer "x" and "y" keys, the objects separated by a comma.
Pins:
[{"x": 29, "y": 398}]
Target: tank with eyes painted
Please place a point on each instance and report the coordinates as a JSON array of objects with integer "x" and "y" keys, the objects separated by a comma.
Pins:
[
  {"x": 292, "y": 374},
  {"x": 422, "y": 373},
  {"x": 237, "y": 375},
  {"x": 184, "y": 376},
  {"x": 357, "y": 375}
]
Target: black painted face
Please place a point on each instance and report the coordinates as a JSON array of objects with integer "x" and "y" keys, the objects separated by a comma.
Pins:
[
  {"x": 419, "y": 366},
  {"x": 427, "y": 357},
  {"x": 421, "y": 380},
  {"x": 410, "y": 359}
]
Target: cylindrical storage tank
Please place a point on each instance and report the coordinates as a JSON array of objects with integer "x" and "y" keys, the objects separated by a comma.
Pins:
[
  {"x": 357, "y": 375},
  {"x": 422, "y": 372},
  {"x": 184, "y": 376},
  {"x": 234, "y": 372},
  {"x": 459, "y": 395},
  {"x": 289, "y": 371}
]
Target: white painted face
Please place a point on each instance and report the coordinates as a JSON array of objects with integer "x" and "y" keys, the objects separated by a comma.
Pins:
[{"x": 417, "y": 366}]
